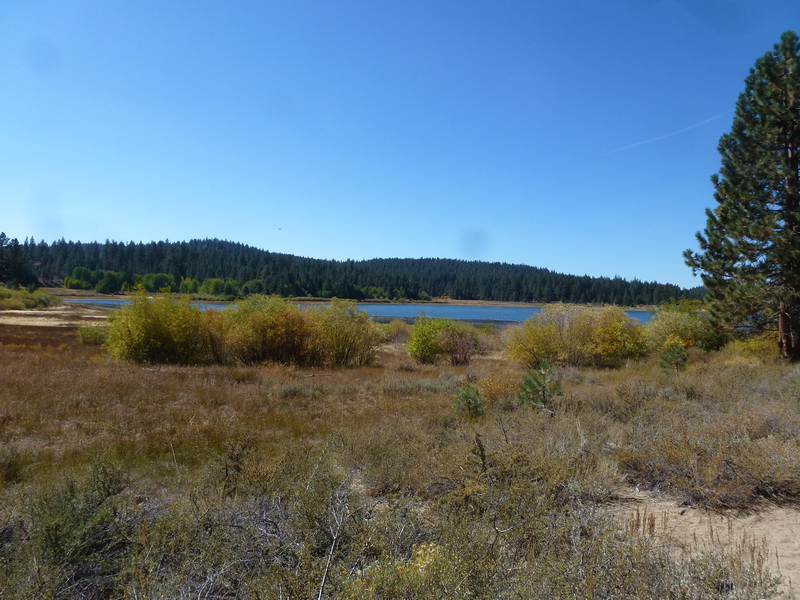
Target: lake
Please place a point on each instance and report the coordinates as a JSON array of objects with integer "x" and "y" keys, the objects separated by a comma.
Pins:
[{"x": 458, "y": 312}]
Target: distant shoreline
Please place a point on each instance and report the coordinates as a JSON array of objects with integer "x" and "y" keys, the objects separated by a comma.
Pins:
[{"x": 91, "y": 294}]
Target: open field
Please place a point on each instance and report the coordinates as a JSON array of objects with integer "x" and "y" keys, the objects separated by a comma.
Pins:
[{"x": 121, "y": 480}]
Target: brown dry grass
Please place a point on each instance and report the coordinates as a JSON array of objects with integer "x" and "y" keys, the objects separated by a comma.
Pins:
[
  {"x": 724, "y": 435},
  {"x": 64, "y": 403}
]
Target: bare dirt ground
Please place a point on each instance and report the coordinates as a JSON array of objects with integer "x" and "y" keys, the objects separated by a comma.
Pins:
[
  {"x": 59, "y": 316},
  {"x": 776, "y": 529}
]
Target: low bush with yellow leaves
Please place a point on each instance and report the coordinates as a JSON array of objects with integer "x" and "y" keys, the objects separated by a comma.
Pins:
[{"x": 570, "y": 335}]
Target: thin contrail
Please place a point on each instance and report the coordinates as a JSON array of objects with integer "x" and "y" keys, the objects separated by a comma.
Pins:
[{"x": 667, "y": 135}]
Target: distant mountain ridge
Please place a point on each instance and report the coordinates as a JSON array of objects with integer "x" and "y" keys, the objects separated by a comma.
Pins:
[{"x": 290, "y": 275}]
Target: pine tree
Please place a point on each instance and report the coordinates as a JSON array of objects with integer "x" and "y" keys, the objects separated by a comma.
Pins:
[
  {"x": 750, "y": 250},
  {"x": 539, "y": 385}
]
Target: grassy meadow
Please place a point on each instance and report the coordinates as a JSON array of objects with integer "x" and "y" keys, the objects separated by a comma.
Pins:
[{"x": 263, "y": 480}]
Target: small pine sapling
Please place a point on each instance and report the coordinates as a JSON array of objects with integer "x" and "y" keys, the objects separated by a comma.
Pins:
[
  {"x": 539, "y": 386},
  {"x": 674, "y": 357},
  {"x": 469, "y": 401}
]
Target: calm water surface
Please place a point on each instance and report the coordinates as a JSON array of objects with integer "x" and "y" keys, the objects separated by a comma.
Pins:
[{"x": 459, "y": 312}]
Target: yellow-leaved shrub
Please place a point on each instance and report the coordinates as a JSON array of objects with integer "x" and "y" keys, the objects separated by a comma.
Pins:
[
  {"x": 572, "y": 335},
  {"x": 163, "y": 329},
  {"x": 269, "y": 329}
]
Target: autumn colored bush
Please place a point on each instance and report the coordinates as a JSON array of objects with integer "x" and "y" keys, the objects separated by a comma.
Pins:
[
  {"x": 347, "y": 336},
  {"x": 689, "y": 328},
  {"x": 571, "y": 335},
  {"x": 163, "y": 329},
  {"x": 269, "y": 329},
  {"x": 397, "y": 330},
  {"x": 432, "y": 339},
  {"x": 257, "y": 330}
]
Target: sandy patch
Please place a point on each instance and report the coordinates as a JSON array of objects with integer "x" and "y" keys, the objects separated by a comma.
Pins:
[
  {"x": 59, "y": 316},
  {"x": 776, "y": 527}
]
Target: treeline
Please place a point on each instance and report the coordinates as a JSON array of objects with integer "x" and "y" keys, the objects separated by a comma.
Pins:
[
  {"x": 15, "y": 267},
  {"x": 245, "y": 269}
]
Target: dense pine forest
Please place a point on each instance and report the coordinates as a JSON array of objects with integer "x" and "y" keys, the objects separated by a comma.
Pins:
[{"x": 217, "y": 267}]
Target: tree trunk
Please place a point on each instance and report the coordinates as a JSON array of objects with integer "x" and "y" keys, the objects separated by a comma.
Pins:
[{"x": 789, "y": 329}]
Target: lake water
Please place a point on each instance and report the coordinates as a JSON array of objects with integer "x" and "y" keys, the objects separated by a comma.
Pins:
[{"x": 459, "y": 312}]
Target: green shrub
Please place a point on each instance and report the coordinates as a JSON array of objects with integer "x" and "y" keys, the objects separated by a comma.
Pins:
[
  {"x": 425, "y": 345},
  {"x": 188, "y": 286},
  {"x": 77, "y": 536},
  {"x": 346, "y": 335},
  {"x": 80, "y": 279},
  {"x": 157, "y": 282},
  {"x": 45, "y": 300},
  {"x": 469, "y": 401},
  {"x": 213, "y": 287},
  {"x": 431, "y": 339},
  {"x": 254, "y": 286},
  {"x": 674, "y": 358},
  {"x": 688, "y": 328},
  {"x": 13, "y": 304},
  {"x": 92, "y": 334},
  {"x": 22, "y": 299},
  {"x": 539, "y": 386},
  {"x": 159, "y": 331}
]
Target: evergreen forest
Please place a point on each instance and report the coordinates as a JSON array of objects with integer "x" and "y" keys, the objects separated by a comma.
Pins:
[{"x": 223, "y": 268}]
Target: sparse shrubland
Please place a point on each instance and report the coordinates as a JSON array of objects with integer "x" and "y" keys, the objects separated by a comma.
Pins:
[
  {"x": 258, "y": 474},
  {"x": 22, "y": 299}
]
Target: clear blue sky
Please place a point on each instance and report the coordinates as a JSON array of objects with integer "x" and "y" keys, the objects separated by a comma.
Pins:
[{"x": 577, "y": 136}]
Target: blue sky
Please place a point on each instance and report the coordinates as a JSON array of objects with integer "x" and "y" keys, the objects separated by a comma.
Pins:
[{"x": 578, "y": 136}]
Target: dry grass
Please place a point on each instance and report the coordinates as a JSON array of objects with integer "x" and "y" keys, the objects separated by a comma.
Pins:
[{"x": 263, "y": 481}]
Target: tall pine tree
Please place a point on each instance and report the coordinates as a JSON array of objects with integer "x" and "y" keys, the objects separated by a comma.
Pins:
[{"x": 750, "y": 250}]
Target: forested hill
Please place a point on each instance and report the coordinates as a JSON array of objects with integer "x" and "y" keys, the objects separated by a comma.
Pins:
[{"x": 251, "y": 269}]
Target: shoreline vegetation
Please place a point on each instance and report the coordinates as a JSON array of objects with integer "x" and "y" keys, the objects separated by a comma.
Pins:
[
  {"x": 91, "y": 294},
  {"x": 22, "y": 299}
]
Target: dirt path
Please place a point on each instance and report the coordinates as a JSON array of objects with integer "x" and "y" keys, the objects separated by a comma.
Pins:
[{"x": 776, "y": 528}]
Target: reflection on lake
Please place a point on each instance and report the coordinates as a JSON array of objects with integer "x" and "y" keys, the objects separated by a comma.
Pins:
[{"x": 459, "y": 312}]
